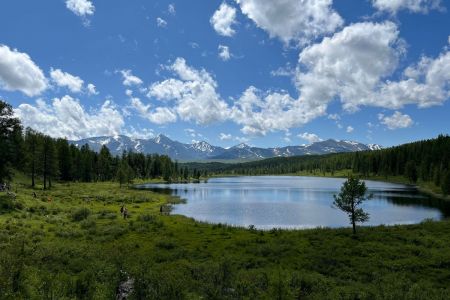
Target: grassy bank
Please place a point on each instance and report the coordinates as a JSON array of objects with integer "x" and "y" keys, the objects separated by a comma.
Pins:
[{"x": 71, "y": 242}]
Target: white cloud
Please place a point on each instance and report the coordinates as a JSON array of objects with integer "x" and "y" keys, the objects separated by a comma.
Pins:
[
  {"x": 193, "y": 93},
  {"x": 310, "y": 137},
  {"x": 293, "y": 20},
  {"x": 349, "y": 65},
  {"x": 160, "y": 115},
  {"x": 425, "y": 84},
  {"x": 225, "y": 137},
  {"x": 260, "y": 113},
  {"x": 91, "y": 89},
  {"x": 63, "y": 79},
  {"x": 65, "y": 117},
  {"x": 224, "y": 52},
  {"x": 81, "y": 8},
  {"x": 171, "y": 9},
  {"x": 139, "y": 134},
  {"x": 416, "y": 6},
  {"x": 334, "y": 117},
  {"x": 223, "y": 19},
  {"x": 350, "y": 129},
  {"x": 129, "y": 79},
  {"x": 161, "y": 22},
  {"x": 396, "y": 121},
  {"x": 19, "y": 73},
  {"x": 286, "y": 71}
]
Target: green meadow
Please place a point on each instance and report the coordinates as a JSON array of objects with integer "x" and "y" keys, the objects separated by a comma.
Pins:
[{"x": 71, "y": 242}]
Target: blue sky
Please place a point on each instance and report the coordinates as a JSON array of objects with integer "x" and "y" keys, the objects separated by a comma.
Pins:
[{"x": 375, "y": 71}]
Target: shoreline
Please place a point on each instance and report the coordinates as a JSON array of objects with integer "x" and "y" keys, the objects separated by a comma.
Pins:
[{"x": 398, "y": 180}]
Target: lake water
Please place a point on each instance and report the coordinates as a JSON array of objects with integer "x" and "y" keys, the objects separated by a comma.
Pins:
[{"x": 296, "y": 202}]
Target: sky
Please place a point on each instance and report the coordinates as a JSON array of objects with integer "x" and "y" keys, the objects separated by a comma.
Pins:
[{"x": 227, "y": 72}]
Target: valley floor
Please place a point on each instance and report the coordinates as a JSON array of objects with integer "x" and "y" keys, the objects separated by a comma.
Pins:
[{"x": 72, "y": 243}]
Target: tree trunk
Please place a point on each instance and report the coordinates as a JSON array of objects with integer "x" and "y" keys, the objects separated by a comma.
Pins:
[
  {"x": 45, "y": 171},
  {"x": 353, "y": 216},
  {"x": 32, "y": 174}
]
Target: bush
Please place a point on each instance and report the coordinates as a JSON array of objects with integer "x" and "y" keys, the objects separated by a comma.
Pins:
[
  {"x": 147, "y": 218},
  {"x": 80, "y": 214}
]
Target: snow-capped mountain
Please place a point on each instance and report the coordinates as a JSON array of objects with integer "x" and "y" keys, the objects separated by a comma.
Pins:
[{"x": 161, "y": 144}]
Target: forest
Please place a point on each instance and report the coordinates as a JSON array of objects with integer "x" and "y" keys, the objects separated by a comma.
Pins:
[
  {"x": 426, "y": 161},
  {"x": 41, "y": 156}
]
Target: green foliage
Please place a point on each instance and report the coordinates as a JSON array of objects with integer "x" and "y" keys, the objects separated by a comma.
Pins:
[
  {"x": 446, "y": 183},
  {"x": 44, "y": 255},
  {"x": 352, "y": 195},
  {"x": 80, "y": 214},
  {"x": 423, "y": 161},
  {"x": 10, "y": 140},
  {"x": 411, "y": 171}
]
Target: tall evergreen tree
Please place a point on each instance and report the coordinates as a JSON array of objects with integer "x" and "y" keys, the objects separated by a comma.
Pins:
[
  {"x": 32, "y": 147},
  {"x": 10, "y": 135}
]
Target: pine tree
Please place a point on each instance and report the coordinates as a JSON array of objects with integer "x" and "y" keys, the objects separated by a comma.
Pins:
[
  {"x": 352, "y": 195},
  {"x": 48, "y": 160},
  {"x": 411, "y": 171},
  {"x": 32, "y": 146},
  {"x": 10, "y": 134},
  {"x": 64, "y": 159}
]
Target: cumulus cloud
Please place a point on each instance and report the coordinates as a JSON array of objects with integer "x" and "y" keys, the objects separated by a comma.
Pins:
[
  {"x": 416, "y": 6},
  {"x": 63, "y": 79},
  {"x": 223, "y": 19},
  {"x": 66, "y": 117},
  {"x": 262, "y": 112},
  {"x": 160, "y": 115},
  {"x": 426, "y": 84},
  {"x": 161, "y": 22},
  {"x": 349, "y": 65},
  {"x": 293, "y": 20},
  {"x": 350, "y": 129},
  {"x": 310, "y": 137},
  {"x": 224, "y": 52},
  {"x": 19, "y": 73},
  {"x": 396, "y": 121},
  {"x": 192, "y": 92},
  {"x": 81, "y": 8},
  {"x": 129, "y": 79},
  {"x": 354, "y": 66}
]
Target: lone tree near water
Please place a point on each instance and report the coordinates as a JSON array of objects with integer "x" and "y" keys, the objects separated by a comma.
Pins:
[{"x": 352, "y": 195}]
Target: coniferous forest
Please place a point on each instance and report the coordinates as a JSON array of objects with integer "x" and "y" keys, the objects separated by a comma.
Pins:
[
  {"x": 50, "y": 159},
  {"x": 427, "y": 161}
]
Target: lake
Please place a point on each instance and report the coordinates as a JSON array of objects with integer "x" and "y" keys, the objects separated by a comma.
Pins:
[{"x": 296, "y": 202}]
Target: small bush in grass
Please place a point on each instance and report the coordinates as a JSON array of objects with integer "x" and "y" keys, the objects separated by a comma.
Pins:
[
  {"x": 88, "y": 223},
  {"x": 147, "y": 218},
  {"x": 80, "y": 214}
]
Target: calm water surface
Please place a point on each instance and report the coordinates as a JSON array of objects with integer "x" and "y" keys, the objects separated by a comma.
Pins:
[{"x": 296, "y": 202}]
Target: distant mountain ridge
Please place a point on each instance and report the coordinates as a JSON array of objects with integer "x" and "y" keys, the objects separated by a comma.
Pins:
[{"x": 161, "y": 144}]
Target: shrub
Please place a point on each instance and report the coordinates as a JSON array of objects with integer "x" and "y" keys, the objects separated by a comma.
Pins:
[
  {"x": 147, "y": 218},
  {"x": 80, "y": 214}
]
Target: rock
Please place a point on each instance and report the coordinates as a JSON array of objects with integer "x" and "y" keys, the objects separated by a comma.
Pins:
[{"x": 125, "y": 289}]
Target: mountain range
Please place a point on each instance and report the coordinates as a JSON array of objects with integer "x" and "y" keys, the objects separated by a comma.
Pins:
[{"x": 161, "y": 144}]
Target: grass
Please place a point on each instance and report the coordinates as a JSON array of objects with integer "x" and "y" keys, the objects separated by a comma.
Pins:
[{"x": 72, "y": 243}]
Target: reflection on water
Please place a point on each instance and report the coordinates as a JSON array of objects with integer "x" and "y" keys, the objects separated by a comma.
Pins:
[{"x": 296, "y": 202}]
